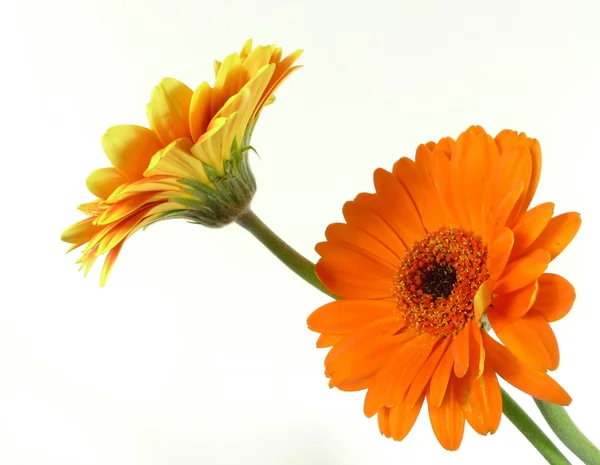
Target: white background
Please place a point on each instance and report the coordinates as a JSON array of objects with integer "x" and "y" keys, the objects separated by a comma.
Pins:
[{"x": 197, "y": 352}]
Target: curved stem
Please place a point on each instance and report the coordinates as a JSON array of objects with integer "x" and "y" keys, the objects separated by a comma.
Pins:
[
  {"x": 306, "y": 270},
  {"x": 566, "y": 430},
  {"x": 292, "y": 259},
  {"x": 531, "y": 430}
]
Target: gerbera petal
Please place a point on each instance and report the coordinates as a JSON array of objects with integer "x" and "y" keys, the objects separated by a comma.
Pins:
[
  {"x": 402, "y": 417},
  {"x": 393, "y": 374},
  {"x": 416, "y": 180},
  {"x": 447, "y": 420},
  {"x": 168, "y": 110},
  {"x": 440, "y": 379},
  {"x": 417, "y": 387},
  {"x": 530, "y": 338},
  {"x": 529, "y": 226},
  {"x": 200, "y": 110},
  {"x": 499, "y": 252},
  {"x": 523, "y": 271},
  {"x": 469, "y": 177},
  {"x": 123, "y": 208},
  {"x": 363, "y": 217},
  {"x": 509, "y": 139},
  {"x": 109, "y": 263},
  {"x": 344, "y": 316},
  {"x": 460, "y": 348},
  {"x": 558, "y": 234},
  {"x": 360, "y": 241},
  {"x": 501, "y": 213},
  {"x": 555, "y": 296},
  {"x": 389, "y": 210},
  {"x": 177, "y": 160},
  {"x": 328, "y": 340},
  {"x": 517, "y": 303},
  {"x": 352, "y": 285},
  {"x": 130, "y": 148},
  {"x": 343, "y": 259},
  {"x": 104, "y": 181},
  {"x": 81, "y": 232},
  {"x": 480, "y": 399},
  {"x": 483, "y": 298},
  {"x": 534, "y": 382}
]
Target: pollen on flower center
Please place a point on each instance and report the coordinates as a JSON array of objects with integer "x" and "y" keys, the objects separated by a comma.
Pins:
[{"x": 437, "y": 281}]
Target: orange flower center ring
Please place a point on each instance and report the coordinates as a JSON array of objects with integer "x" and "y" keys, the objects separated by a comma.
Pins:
[{"x": 437, "y": 281}]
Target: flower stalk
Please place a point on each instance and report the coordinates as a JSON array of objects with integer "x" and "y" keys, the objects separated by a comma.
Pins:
[
  {"x": 306, "y": 270},
  {"x": 566, "y": 430}
]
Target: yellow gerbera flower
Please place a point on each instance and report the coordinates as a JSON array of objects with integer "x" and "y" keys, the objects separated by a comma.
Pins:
[{"x": 191, "y": 163}]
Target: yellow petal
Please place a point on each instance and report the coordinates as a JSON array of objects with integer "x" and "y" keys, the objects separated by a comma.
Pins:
[
  {"x": 177, "y": 160},
  {"x": 103, "y": 182},
  {"x": 215, "y": 145},
  {"x": 200, "y": 113},
  {"x": 130, "y": 148},
  {"x": 168, "y": 110}
]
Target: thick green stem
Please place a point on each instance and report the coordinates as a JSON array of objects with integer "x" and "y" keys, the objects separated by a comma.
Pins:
[
  {"x": 292, "y": 259},
  {"x": 531, "y": 431},
  {"x": 562, "y": 425},
  {"x": 306, "y": 270}
]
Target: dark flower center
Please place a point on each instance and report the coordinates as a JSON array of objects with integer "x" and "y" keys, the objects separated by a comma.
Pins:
[{"x": 439, "y": 281}]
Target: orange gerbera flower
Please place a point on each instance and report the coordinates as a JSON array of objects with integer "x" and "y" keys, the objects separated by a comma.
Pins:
[
  {"x": 445, "y": 246},
  {"x": 193, "y": 161}
]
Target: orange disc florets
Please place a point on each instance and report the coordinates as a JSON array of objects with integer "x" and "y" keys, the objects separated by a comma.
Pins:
[{"x": 437, "y": 281}]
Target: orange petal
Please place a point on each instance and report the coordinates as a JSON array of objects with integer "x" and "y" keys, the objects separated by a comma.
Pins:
[
  {"x": 168, "y": 110},
  {"x": 499, "y": 252},
  {"x": 483, "y": 298},
  {"x": 363, "y": 217},
  {"x": 352, "y": 285},
  {"x": 345, "y": 316},
  {"x": 509, "y": 203},
  {"x": 402, "y": 417},
  {"x": 475, "y": 155},
  {"x": 104, "y": 181},
  {"x": 358, "y": 240},
  {"x": 476, "y": 350},
  {"x": 417, "y": 388},
  {"x": 447, "y": 420},
  {"x": 364, "y": 341},
  {"x": 555, "y": 296},
  {"x": 109, "y": 263},
  {"x": 124, "y": 207},
  {"x": 130, "y": 148},
  {"x": 523, "y": 271},
  {"x": 513, "y": 167},
  {"x": 558, "y": 234},
  {"x": 480, "y": 399},
  {"x": 530, "y": 338},
  {"x": 529, "y": 226},
  {"x": 393, "y": 374},
  {"x": 349, "y": 261},
  {"x": 439, "y": 381},
  {"x": 460, "y": 348},
  {"x": 517, "y": 303},
  {"x": 383, "y": 421},
  {"x": 534, "y": 382},
  {"x": 414, "y": 358},
  {"x": 399, "y": 210},
  {"x": 508, "y": 139},
  {"x": 417, "y": 182},
  {"x": 328, "y": 340}
]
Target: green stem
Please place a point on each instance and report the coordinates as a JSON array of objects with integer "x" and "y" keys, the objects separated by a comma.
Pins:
[
  {"x": 306, "y": 270},
  {"x": 531, "y": 431},
  {"x": 564, "y": 428},
  {"x": 292, "y": 259}
]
